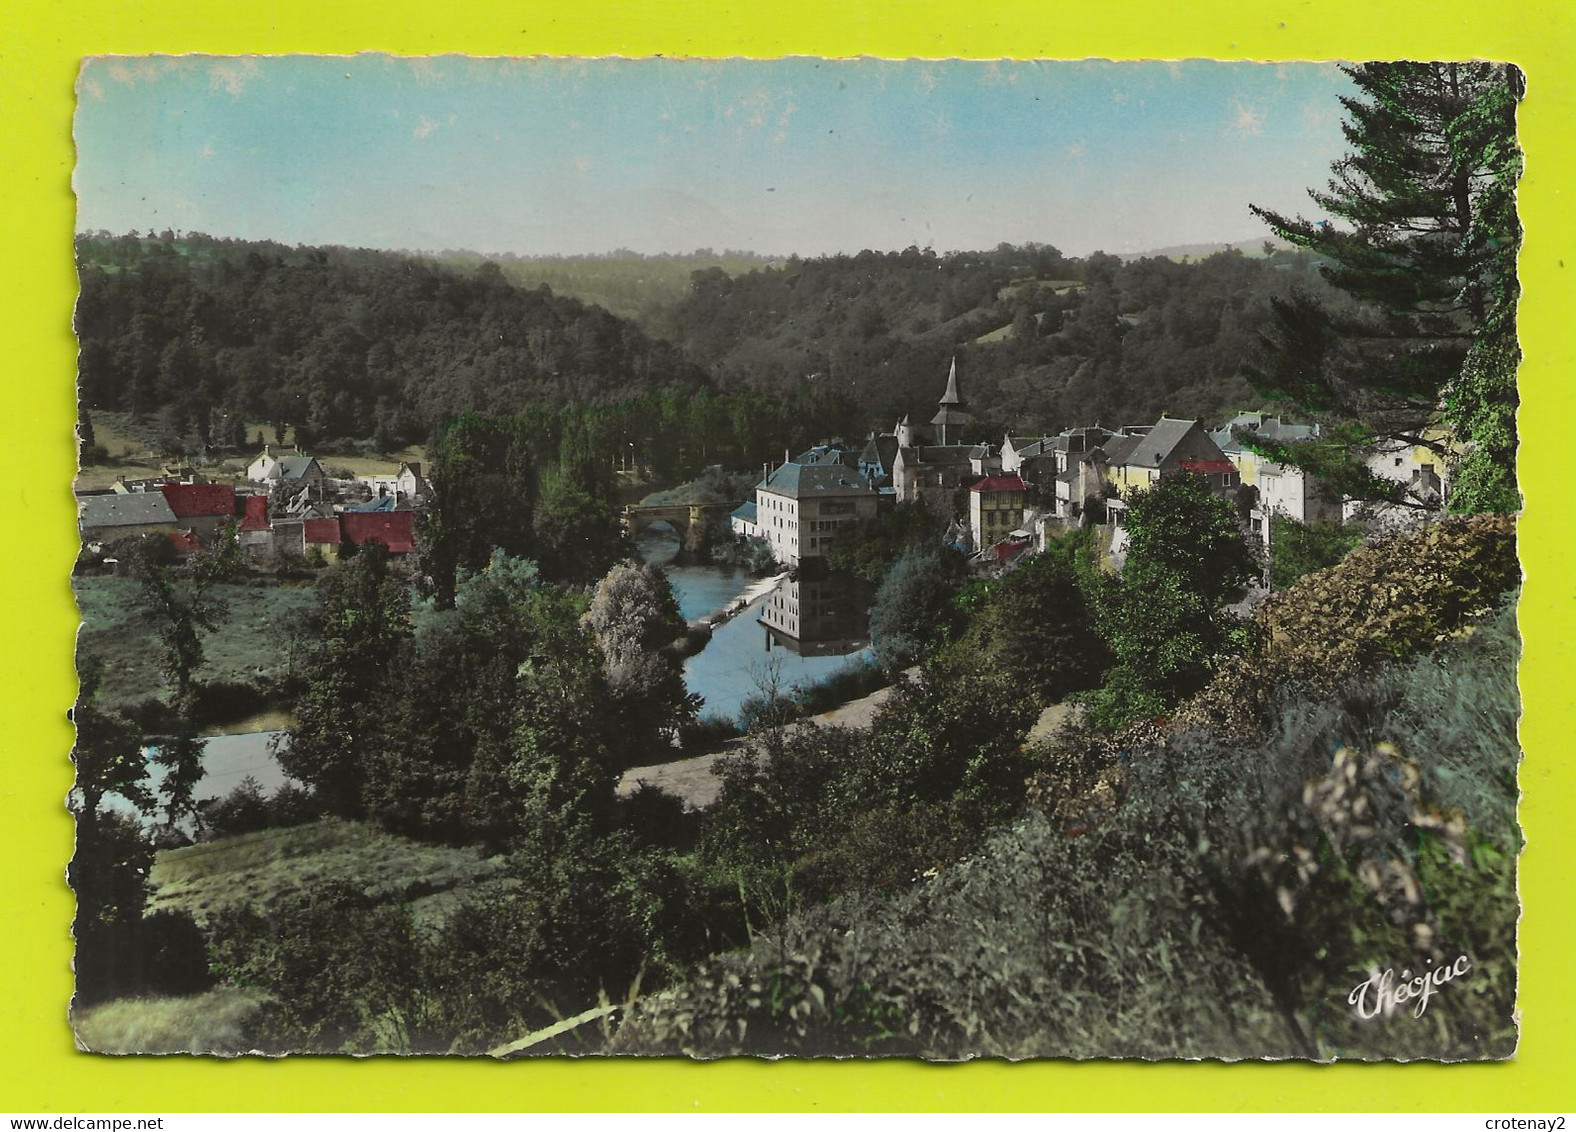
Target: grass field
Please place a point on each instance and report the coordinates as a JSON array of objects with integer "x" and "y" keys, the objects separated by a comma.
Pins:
[
  {"x": 259, "y": 870},
  {"x": 250, "y": 647},
  {"x": 212, "y": 1022},
  {"x": 132, "y": 453}
]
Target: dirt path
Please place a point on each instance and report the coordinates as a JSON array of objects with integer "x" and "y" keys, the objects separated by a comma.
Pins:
[{"x": 692, "y": 779}]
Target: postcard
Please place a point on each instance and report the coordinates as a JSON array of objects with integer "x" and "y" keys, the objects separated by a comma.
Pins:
[{"x": 805, "y": 557}]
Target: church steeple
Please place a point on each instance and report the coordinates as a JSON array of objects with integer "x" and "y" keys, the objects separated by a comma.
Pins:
[
  {"x": 951, "y": 397},
  {"x": 954, "y": 411}
]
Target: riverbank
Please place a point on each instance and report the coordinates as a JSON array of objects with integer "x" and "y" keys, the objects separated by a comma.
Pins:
[{"x": 693, "y": 781}]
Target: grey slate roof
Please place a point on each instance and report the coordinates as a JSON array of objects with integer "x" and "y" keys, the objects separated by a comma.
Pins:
[
  {"x": 942, "y": 453},
  {"x": 746, "y": 511},
  {"x": 291, "y": 467},
  {"x": 802, "y": 480},
  {"x": 881, "y": 452},
  {"x": 1269, "y": 428},
  {"x": 137, "y": 508},
  {"x": 1118, "y": 449},
  {"x": 1153, "y": 449}
]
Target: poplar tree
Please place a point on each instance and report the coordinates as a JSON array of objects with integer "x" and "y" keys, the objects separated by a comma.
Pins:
[{"x": 1420, "y": 233}]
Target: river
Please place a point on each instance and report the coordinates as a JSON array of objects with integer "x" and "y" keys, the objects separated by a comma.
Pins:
[
  {"x": 800, "y": 633},
  {"x": 811, "y": 629}
]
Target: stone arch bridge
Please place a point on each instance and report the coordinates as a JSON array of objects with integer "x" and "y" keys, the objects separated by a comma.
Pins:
[{"x": 697, "y": 524}]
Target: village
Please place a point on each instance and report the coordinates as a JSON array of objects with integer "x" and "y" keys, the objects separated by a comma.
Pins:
[
  {"x": 998, "y": 500},
  {"x": 988, "y": 652}
]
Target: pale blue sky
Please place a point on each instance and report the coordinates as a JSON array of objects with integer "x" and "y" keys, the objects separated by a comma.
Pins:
[{"x": 810, "y": 156}]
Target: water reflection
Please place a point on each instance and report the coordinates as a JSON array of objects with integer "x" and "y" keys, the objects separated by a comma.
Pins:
[
  {"x": 827, "y": 616},
  {"x": 816, "y": 630},
  {"x": 699, "y": 590}
]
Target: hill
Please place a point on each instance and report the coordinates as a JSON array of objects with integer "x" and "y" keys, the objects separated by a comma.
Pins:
[
  {"x": 1043, "y": 341},
  {"x": 207, "y": 334}
]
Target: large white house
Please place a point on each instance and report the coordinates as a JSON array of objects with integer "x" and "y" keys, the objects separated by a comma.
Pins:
[{"x": 799, "y": 508}]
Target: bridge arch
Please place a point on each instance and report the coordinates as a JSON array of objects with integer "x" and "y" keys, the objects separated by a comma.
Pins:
[{"x": 695, "y": 523}]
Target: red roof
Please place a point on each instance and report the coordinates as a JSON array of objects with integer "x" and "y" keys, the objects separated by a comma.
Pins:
[
  {"x": 189, "y": 500},
  {"x": 1008, "y": 546},
  {"x": 1211, "y": 467},
  {"x": 394, "y": 529},
  {"x": 1013, "y": 482},
  {"x": 321, "y": 531},
  {"x": 185, "y": 542},
  {"x": 256, "y": 513}
]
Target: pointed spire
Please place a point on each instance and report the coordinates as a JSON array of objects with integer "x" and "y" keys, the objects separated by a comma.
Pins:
[{"x": 950, "y": 397}]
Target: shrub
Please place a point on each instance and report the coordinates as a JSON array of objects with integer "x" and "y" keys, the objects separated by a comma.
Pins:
[
  {"x": 340, "y": 972},
  {"x": 1164, "y": 617},
  {"x": 1398, "y": 597},
  {"x": 243, "y": 810},
  {"x": 174, "y": 954},
  {"x": 1301, "y": 548},
  {"x": 1159, "y": 927},
  {"x": 913, "y": 608}
]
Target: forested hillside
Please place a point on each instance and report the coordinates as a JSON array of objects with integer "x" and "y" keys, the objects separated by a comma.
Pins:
[
  {"x": 339, "y": 342},
  {"x": 1045, "y": 341},
  {"x": 646, "y": 289}
]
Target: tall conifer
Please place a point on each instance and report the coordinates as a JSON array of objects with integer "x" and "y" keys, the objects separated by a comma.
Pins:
[{"x": 1421, "y": 234}]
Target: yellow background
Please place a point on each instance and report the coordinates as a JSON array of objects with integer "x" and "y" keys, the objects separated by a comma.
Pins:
[{"x": 40, "y": 48}]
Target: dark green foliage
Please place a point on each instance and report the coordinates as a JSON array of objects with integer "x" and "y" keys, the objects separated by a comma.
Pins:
[
  {"x": 108, "y": 752},
  {"x": 1032, "y": 632},
  {"x": 1385, "y": 601},
  {"x": 343, "y": 975},
  {"x": 635, "y": 621},
  {"x": 1427, "y": 256},
  {"x": 1164, "y": 617},
  {"x": 577, "y": 535},
  {"x": 109, "y": 875},
  {"x": 183, "y": 607},
  {"x": 1156, "y": 933},
  {"x": 361, "y": 635},
  {"x": 1110, "y": 340},
  {"x": 811, "y": 799},
  {"x": 870, "y": 548},
  {"x": 913, "y": 608},
  {"x": 243, "y": 810},
  {"x": 656, "y": 819},
  {"x": 1301, "y": 548},
  {"x": 174, "y": 954},
  {"x": 341, "y": 342}
]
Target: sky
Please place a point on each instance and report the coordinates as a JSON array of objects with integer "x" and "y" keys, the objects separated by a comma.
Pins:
[{"x": 797, "y": 156}]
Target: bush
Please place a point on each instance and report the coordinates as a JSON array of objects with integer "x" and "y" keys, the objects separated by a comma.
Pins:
[
  {"x": 913, "y": 610},
  {"x": 1225, "y": 908},
  {"x": 1398, "y": 597},
  {"x": 340, "y": 972},
  {"x": 174, "y": 954},
  {"x": 243, "y": 810},
  {"x": 1301, "y": 548}
]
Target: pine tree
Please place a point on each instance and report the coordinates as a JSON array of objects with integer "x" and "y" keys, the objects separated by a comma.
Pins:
[{"x": 1421, "y": 235}]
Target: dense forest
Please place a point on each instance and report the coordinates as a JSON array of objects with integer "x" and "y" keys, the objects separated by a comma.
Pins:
[
  {"x": 1046, "y": 342},
  {"x": 349, "y": 344},
  {"x": 337, "y": 342}
]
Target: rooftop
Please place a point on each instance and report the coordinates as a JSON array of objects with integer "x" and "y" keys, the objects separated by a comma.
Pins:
[{"x": 800, "y": 480}]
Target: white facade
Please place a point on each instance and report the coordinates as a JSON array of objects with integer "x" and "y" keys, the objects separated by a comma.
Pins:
[{"x": 799, "y": 508}]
